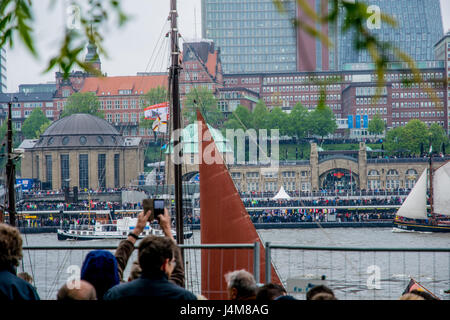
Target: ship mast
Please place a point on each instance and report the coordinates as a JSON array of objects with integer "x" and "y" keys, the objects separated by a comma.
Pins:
[
  {"x": 433, "y": 216},
  {"x": 176, "y": 118},
  {"x": 10, "y": 172}
]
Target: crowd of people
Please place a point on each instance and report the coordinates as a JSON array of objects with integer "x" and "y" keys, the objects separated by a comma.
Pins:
[
  {"x": 327, "y": 193},
  {"x": 323, "y": 202},
  {"x": 311, "y": 215},
  {"x": 157, "y": 273},
  {"x": 82, "y": 205}
]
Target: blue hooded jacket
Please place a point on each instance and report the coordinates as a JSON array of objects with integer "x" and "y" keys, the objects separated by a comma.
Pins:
[{"x": 100, "y": 269}]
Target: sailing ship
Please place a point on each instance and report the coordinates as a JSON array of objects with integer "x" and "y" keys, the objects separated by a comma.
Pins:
[{"x": 414, "y": 214}]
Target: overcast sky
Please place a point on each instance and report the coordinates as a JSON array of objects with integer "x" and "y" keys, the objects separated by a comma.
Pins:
[{"x": 136, "y": 47}]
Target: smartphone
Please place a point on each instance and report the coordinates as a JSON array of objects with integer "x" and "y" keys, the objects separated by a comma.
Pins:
[
  {"x": 147, "y": 204},
  {"x": 158, "y": 207}
]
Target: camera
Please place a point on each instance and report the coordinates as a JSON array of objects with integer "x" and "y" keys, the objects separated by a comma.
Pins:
[
  {"x": 158, "y": 207},
  {"x": 155, "y": 205}
]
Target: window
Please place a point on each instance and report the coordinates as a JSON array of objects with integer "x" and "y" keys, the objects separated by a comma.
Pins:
[
  {"x": 65, "y": 170},
  {"x": 101, "y": 170},
  {"x": 49, "y": 170},
  {"x": 83, "y": 171},
  {"x": 116, "y": 170}
]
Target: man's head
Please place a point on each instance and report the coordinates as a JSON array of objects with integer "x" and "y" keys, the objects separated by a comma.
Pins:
[
  {"x": 270, "y": 291},
  {"x": 241, "y": 284},
  {"x": 156, "y": 254},
  {"x": 10, "y": 246},
  {"x": 318, "y": 289},
  {"x": 83, "y": 291}
]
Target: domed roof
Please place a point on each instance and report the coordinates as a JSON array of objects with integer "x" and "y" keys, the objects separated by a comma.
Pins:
[
  {"x": 80, "y": 130},
  {"x": 80, "y": 124}
]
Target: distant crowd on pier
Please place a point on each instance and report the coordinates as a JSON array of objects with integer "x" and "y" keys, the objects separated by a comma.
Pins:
[{"x": 327, "y": 202}]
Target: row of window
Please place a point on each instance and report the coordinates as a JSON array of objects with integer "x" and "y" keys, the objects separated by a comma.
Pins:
[
  {"x": 415, "y": 85},
  {"x": 424, "y": 114},
  {"x": 429, "y": 104},
  {"x": 121, "y": 104},
  {"x": 273, "y": 186},
  {"x": 83, "y": 170},
  {"x": 428, "y": 123},
  {"x": 371, "y": 101},
  {"x": 123, "y": 117},
  {"x": 328, "y": 88},
  {"x": 417, "y": 95},
  {"x": 269, "y": 174},
  {"x": 371, "y": 111}
]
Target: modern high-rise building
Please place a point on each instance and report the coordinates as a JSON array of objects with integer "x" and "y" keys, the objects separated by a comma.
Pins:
[
  {"x": 2, "y": 70},
  {"x": 253, "y": 36},
  {"x": 419, "y": 28}
]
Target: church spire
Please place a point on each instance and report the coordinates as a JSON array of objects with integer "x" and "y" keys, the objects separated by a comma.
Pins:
[{"x": 92, "y": 56}]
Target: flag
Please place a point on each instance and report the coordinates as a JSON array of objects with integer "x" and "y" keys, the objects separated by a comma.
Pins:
[
  {"x": 152, "y": 112},
  {"x": 431, "y": 149},
  {"x": 160, "y": 123},
  {"x": 412, "y": 285}
]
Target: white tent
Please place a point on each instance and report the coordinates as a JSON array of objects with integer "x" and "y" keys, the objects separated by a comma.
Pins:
[{"x": 281, "y": 195}]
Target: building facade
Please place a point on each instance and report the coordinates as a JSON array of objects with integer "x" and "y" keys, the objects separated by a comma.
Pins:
[
  {"x": 82, "y": 151},
  {"x": 419, "y": 27},
  {"x": 353, "y": 92},
  {"x": 333, "y": 171},
  {"x": 255, "y": 37}
]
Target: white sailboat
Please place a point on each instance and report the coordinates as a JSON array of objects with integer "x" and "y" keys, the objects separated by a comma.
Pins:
[{"x": 414, "y": 215}]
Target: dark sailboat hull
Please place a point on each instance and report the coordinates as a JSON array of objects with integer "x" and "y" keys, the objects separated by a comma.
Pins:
[{"x": 421, "y": 227}]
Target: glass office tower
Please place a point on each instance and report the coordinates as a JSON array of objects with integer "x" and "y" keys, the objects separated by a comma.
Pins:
[
  {"x": 419, "y": 29},
  {"x": 253, "y": 36}
]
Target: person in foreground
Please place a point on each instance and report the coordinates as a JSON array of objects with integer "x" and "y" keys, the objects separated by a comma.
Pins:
[
  {"x": 320, "y": 292},
  {"x": 84, "y": 291},
  {"x": 156, "y": 257},
  {"x": 241, "y": 285},
  {"x": 11, "y": 286},
  {"x": 126, "y": 248}
]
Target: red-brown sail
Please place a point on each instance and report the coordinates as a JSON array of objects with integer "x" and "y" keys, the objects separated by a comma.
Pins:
[{"x": 224, "y": 219}]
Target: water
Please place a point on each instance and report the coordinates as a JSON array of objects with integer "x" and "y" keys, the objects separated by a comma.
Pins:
[{"x": 352, "y": 275}]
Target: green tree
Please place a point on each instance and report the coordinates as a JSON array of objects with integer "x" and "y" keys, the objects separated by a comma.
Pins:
[
  {"x": 241, "y": 118},
  {"x": 322, "y": 121},
  {"x": 260, "y": 116},
  {"x": 32, "y": 125},
  {"x": 82, "y": 102},
  {"x": 376, "y": 125},
  {"x": 393, "y": 139},
  {"x": 278, "y": 119},
  {"x": 298, "y": 121},
  {"x": 413, "y": 134},
  {"x": 202, "y": 99},
  {"x": 438, "y": 137}
]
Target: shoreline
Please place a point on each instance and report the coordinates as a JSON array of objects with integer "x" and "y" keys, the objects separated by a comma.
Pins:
[{"x": 267, "y": 225}]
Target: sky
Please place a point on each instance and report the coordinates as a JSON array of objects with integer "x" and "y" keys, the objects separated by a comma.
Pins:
[{"x": 135, "y": 47}]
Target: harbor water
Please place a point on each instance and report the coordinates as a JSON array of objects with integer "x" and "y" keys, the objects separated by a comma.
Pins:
[{"x": 353, "y": 275}]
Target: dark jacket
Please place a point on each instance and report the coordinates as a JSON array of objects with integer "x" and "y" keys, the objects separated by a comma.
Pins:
[
  {"x": 156, "y": 286},
  {"x": 14, "y": 288}
]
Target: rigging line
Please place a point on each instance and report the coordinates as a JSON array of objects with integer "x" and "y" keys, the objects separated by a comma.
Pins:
[{"x": 58, "y": 273}]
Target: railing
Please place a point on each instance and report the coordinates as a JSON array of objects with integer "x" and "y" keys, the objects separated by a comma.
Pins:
[{"x": 352, "y": 273}]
